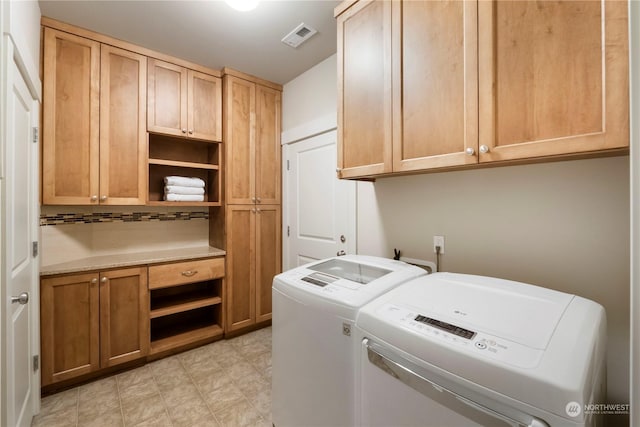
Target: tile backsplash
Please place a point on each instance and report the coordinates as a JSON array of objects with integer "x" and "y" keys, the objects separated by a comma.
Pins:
[{"x": 71, "y": 233}]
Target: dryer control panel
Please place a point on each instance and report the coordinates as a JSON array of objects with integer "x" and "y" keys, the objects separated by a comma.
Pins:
[{"x": 439, "y": 331}]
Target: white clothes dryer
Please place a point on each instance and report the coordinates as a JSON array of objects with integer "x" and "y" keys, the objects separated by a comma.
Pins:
[
  {"x": 314, "y": 352},
  {"x": 460, "y": 350}
]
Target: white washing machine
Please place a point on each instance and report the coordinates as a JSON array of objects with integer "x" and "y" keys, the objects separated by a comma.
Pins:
[
  {"x": 314, "y": 352},
  {"x": 459, "y": 350}
]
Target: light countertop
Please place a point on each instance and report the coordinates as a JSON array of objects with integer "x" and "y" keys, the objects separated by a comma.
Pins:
[{"x": 104, "y": 262}]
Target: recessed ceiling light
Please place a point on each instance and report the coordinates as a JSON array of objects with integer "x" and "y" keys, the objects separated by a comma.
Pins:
[{"x": 243, "y": 5}]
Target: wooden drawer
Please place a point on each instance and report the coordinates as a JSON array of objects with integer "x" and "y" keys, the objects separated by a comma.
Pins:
[{"x": 179, "y": 273}]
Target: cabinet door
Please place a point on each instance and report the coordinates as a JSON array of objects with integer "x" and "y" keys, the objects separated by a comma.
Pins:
[
  {"x": 69, "y": 327},
  {"x": 123, "y": 138},
  {"x": 241, "y": 268},
  {"x": 124, "y": 316},
  {"x": 553, "y": 78},
  {"x": 166, "y": 98},
  {"x": 239, "y": 138},
  {"x": 435, "y": 90},
  {"x": 204, "y": 106},
  {"x": 364, "y": 89},
  {"x": 268, "y": 168},
  {"x": 70, "y": 119},
  {"x": 268, "y": 257}
]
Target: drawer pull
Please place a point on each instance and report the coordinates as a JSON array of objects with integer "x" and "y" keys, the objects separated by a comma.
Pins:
[{"x": 189, "y": 273}]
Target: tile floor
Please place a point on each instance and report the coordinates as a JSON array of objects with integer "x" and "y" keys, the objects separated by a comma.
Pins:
[{"x": 226, "y": 383}]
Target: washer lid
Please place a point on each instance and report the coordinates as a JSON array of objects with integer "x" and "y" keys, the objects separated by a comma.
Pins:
[{"x": 520, "y": 313}]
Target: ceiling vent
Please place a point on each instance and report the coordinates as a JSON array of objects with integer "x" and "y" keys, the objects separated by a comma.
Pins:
[{"x": 299, "y": 35}]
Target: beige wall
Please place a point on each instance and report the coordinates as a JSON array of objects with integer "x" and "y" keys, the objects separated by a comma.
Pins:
[
  {"x": 560, "y": 225},
  {"x": 68, "y": 242}
]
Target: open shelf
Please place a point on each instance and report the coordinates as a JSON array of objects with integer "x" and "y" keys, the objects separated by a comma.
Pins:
[
  {"x": 164, "y": 162},
  {"x": 176, "y": 299},
  {"x": 174, "y": 330},
  {"x": 171, "y": 156}
]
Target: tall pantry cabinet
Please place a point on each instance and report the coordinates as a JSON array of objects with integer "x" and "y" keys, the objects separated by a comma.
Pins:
[{"x": 252, "y": 114}]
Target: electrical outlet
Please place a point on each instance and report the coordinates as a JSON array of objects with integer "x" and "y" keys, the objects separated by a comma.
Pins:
[{"x": 438, "y": 241}]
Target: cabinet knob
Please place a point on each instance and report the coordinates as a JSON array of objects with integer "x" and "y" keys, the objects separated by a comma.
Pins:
[
  {"x": 259, "y": 199},
  {"x": 258, "y": 210},
  {"x": 184, "y": 131},
  {"x": 484, "y": 149},
  {"x": 103, "y": 280},
  {"x": 470, "y": 151},
  {"x": 94, "y": 281},
  {"x": 94, "y": 198},
  {"x": 253, "y": 199},
  {"x": 103, "y": 198},
  {"x": 190, "y": 131},
  {"x": 253, "y": 210}
]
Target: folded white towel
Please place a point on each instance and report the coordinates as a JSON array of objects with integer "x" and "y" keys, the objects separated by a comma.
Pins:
[
  {"x": 183, "y": 197},
  {"x": 183, "y": 181},
  {"x": 176, "y": 189}
]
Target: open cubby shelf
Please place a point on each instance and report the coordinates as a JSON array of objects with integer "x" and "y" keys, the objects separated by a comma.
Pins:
[
  {"x": 183, "y": 157},
  {"x": 185, "y": 314}
]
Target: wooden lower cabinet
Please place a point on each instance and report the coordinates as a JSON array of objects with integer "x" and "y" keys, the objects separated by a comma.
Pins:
[
  {"x": 186, "y": 303},
  {"x": 253, "y": 259},
  {"x": 92, "y": 321}
]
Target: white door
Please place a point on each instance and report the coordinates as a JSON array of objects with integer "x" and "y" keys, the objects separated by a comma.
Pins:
[
  {"x": 320, "y": 212},
  {"x": 19, "y": 229}
]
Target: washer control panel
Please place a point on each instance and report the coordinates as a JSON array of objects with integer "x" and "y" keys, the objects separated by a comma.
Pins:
[{"x": 439, "y": 331}]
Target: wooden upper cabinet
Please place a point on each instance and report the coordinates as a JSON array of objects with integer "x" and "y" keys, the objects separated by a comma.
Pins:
[
  {"x": 70, "y": 120},
  {"x": 239, "y": 137},
  {"x": 252, "y": 116},
  {"x": 267, "y": 134},
  {"x": 435, "y": 108},
  {"x": 474, "y": 82},
  {"x": 167, "y": 98},
  {"x": 94, "y": 139},
  {"x": 123, "y": 141},
  {"x": 364, "y": 89},
  {"x": 183, "y": 102},
  {"x": 204, "y": 97},
  {"x": 553, "y": 78}
]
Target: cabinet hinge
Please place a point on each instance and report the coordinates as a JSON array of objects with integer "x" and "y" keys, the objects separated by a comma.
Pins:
[
  {"x": 288, "y": 231},
  {"x": 36, "y": 131},
  {"x": 34, "y": 249},
  {"x": 288, "y": 165},
  {"x": 36, "y": 363}
]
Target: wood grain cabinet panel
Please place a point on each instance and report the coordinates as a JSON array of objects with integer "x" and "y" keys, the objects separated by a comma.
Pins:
[
  {"x": 253, "y": 259},
  {"x": 435, "y": 114},
  {"x": 364, "y": 90},
  {"x": 94, "y": 114},
  {"x": 123, "y": 139},
  {"x": 478, "y": 82},
  {"x": 267, "y": 145},
  {"x": 92, "y": 321},
  {"x": 70, "y": 331},
  {"x": 183, "y": 102},
  {"x": 239, "y": 117},
  {"x": 70, "y": 119},
  {"x": 553, "y": 78}
]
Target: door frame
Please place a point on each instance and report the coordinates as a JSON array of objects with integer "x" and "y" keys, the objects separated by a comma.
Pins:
[
  {"x": 321, "y": 125},
  {"x": 11, "y": 54}
]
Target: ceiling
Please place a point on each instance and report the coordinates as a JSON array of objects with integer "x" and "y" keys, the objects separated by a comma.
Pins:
[{"x": 210, "y": 33}]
